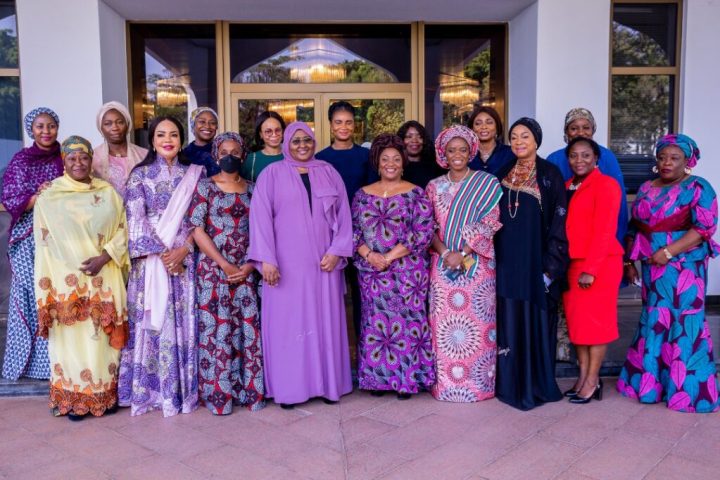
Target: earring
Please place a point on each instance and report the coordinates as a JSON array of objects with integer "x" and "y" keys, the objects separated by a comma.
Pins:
[
  {"x": 688, "y": 170},
  {"x": 655, "y": 169}
]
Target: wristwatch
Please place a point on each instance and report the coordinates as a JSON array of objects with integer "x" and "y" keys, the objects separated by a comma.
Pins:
[{"x": 667, "y": 253}]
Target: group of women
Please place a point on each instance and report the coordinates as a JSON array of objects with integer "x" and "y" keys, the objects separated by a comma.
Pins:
[{"x": 168, "y": 278}]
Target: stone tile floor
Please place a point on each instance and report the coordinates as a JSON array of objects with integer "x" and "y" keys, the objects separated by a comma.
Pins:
[{"x": 365, "y": 437}]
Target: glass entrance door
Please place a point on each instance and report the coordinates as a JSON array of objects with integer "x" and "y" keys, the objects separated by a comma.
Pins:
[{"x": 375, "y": 114}]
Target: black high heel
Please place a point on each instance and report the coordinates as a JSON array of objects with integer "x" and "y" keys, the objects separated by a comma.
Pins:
[
  {"x": 570, "y": 393},
  {"x": 596, "y": 395}
]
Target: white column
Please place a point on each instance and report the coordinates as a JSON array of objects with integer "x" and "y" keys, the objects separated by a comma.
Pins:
[
  {"x": 61, "y": 61},
  {"x": 700, "y": 98},
  {"x": 559, "y": 59}
]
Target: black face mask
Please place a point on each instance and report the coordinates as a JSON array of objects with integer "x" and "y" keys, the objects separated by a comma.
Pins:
[{"x": 230, "y": 164}]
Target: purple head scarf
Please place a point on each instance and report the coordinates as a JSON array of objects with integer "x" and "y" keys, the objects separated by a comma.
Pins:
[
  {"x": 455, "y": 131},
  {"x": 684, "y": 143},
  {"x": 290, "y": 130}
]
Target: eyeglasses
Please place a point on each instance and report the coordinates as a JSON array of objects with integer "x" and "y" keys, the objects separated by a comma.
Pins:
[
  {"x": 276, "y": 132},
  {"x": 298, "y": 141}
]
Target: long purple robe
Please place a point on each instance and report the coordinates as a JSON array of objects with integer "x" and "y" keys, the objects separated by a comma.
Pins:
[
  {"x": 26, "y": 354},
  {"x": 304, "y": 331},
  {"x": 158, "y": 370}
]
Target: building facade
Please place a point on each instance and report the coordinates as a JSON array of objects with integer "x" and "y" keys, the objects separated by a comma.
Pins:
[{"x": 642, "y": 67}]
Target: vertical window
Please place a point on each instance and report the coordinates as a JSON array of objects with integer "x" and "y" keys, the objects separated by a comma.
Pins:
[
  {"x": 174, "y": 71},
  {"x": 644, "y": 82},
  {"x": 464, "y": 67},
  {"x": 10, "y": 115}
]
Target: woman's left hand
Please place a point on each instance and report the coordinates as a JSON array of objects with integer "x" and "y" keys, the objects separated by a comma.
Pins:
[
  {"x": 585, "y": 280},
  {"x": 659, "y": 258},
  {"x": 242, "y": 274},
  {"x": 453, "y": 260},
  {"x": 328, "y": 262},
  {"x": 173, "y": 260},
  {"x": 93, "y": 265}
]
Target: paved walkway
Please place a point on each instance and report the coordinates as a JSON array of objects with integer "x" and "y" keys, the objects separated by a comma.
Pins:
[{"x": 365, "y": 437}]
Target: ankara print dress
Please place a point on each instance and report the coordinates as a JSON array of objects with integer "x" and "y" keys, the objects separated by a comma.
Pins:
[
  {"x": 671, "y": 356},
  {"x": 230, "y": 359},
  {"x": 462, "y": 310},
  {"x": 395, "y": 351}
]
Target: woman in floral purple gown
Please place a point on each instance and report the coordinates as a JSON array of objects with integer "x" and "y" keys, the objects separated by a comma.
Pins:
[
  {"x": 674, "y": 219},
  {"x": 392, "y": 230},
  {"x": 158, "y": 369}
]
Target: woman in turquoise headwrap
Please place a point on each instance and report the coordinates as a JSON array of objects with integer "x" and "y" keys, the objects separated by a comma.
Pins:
[{"x": 673, "y": 220}]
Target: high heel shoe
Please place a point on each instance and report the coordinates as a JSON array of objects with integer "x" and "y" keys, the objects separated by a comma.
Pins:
[
  {"x": 570, "y": 393},
  {"x": 596, "y": 395}
]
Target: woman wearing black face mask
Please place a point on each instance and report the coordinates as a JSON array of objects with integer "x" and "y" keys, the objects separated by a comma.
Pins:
[{"x": 230, "y": 366}]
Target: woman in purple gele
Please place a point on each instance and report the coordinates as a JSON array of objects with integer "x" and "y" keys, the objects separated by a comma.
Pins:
[{"x": 301, "y": 234}]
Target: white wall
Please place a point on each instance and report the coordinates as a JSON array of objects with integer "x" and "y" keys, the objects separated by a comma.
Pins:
[
  {"x": 113, "y": 50},
  {"x": 61, "y": 62},
  {"x": 572, "y": 65},
  {"x": 700, "y": 97},
  {"x": 522, "y": 71}
]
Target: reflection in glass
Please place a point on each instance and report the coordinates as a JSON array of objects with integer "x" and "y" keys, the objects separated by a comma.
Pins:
[
  {"x": 641, "y": 112},
  {"x": 320, "y": 53},
  {"x": 644, "y": 35},
  {"x": 464, "y": 67},
  {"x": 174, "y": 72},
  {"x": 376, "y": 116},
  {"x": 10, "y": 118},
  {"x": 290, "y": 110},
  {"x": 8, "y": 35},
  {"x": 315, "y": 60}
]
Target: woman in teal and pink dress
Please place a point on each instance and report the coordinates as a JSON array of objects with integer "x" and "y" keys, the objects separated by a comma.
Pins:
[
  {"x": 673, "y": 220},
  {"x": 462, "y": 271}
]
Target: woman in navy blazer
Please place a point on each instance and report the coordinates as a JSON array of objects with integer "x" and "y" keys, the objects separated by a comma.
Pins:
[{"x": 596, "y": 264}]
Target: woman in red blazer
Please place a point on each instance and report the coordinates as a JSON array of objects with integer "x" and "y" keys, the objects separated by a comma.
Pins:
[{"x": 596, "y": 264}]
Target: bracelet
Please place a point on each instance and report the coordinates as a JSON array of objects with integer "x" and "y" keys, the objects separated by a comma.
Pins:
[
  {"x": 667, "y": 253},
  {"x": 462, "y": 252},
  {"x": 445, "y": 253},
  {"x": 628, "y": 263},
  {"x": 367, "y": 255},
  {"x": 189, "y": 247}
]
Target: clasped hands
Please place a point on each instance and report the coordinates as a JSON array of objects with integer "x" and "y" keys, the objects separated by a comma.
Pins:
[
  {"x": 271, "y": 274},
  {"x": 237, "y": 274},
  {"x": 173, "y": 260}
]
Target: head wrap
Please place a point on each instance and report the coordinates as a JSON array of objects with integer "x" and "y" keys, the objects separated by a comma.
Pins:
[
  {"x": 121, "y": 109},
  {"x": 577, "y": 113},
  {"x": 288, "y": 134},
  {"x": 685, "y": 143},
  {"x": 455, "y": 131},
  {"x": 532, "y": 125},
  {"x": 30, "y": 118},
  {"x": 195, "y": 113},
  {"x": 222, "y": 137},
  {"x": 75, "y": 143}
]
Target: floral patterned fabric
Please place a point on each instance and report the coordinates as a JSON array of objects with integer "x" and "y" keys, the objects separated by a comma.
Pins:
[
  {"x": 395, "y": 351},
  {"x": 462, "y": 311},
  {"x": 230, "y": 369},
  {"x": 158, "y": 369},
  {"x": 671, "y": 356}
]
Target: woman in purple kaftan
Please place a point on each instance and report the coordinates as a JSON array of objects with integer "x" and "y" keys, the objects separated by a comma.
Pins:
[
  {"x": 301, "y": 233},
  {"x": 158, "y": 367}
]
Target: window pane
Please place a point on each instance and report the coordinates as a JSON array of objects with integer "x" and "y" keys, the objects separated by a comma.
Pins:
[
  {"x": 641, "y": 112},
  {"x": 8, "y": 35},
  {"x": 644, "y": 34},
  {"x": 10, "y": 133},
  {"x": 320, "y": 53},
  {"x": 376, "y": 116},
  {"x": 173, "y": 72},
  {"x": 464, "y": 66},
  {"x": 290, "y": 110}
]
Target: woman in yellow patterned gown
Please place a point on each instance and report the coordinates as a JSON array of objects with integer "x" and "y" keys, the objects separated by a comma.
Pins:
[{"x": 80, "y": 261}]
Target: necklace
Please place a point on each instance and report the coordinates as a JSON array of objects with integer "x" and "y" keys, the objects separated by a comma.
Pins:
[
  {"x": 461, "y": 180},
  {"x": 390, "y": 190},
  {"x": 516, "y": 187}
]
